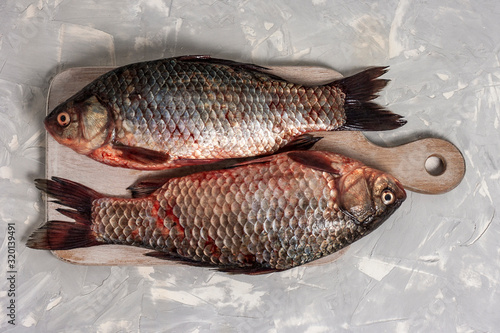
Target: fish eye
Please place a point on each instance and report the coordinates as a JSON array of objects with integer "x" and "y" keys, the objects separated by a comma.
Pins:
[
  {"x": 63, "y": 119},
  {"x": 388, "y": 197}
]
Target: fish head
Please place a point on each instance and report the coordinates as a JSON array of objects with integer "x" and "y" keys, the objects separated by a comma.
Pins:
[
  {"x": 82, "y": 124},
  {"x": 369, "y": 196}
]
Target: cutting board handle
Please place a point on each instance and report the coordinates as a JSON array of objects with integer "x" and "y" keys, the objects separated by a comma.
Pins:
[{"x": 430, "y": 166}]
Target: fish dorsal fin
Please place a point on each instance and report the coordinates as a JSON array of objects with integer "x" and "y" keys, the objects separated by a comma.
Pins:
[
  {"x": 317, "y": 160},
  {"x": 224, "y": 62},
  {"x": 237, "y": 66}
]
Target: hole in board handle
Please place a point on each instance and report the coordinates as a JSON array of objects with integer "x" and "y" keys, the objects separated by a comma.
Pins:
[{"x": 435, "y": 165}]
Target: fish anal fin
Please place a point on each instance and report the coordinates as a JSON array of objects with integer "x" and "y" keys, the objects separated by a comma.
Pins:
[
  {"x": 301, "y": 142},
  {"x": 144, "y": 188},
  {"x": 182, "y": 162},
  {"x": 253, "y": 160}
]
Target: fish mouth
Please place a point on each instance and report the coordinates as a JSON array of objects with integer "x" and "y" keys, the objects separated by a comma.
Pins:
[
  {"x": 370, "y": 218},
  {"x": 48, "y": 122},
  {"x": 402, "y": 193},
  {"x": 388, "y": 212}
]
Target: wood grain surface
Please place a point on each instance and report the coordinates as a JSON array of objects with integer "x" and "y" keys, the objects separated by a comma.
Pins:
[{"x": 406, "y": 162}]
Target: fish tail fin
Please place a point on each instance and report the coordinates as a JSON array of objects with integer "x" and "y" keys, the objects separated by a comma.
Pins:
[
  {"x": 361, "y": 113},
  {"x": 63, "y": 235}
]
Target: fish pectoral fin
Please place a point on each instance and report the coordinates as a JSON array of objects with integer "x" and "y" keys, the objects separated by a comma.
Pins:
[
  {"x": 141, "y": 155},
  {"x": 301, "y": 142},
  {"x": 314, "y": 159}
]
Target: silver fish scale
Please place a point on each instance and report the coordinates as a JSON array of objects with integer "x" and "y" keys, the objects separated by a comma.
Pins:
[
  {"x": 277, "y": 216},
  {"x": 176, "y": 107},
  {"x": 122, "y": 221}
]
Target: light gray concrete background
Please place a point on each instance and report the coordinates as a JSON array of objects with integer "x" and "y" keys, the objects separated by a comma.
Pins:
[{"x": 433, "y": 266}]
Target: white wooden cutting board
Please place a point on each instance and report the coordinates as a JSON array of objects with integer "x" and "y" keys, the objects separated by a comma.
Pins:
[{"x": 406, "y": 162}]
